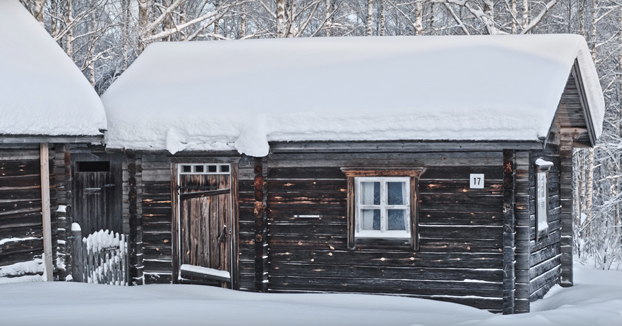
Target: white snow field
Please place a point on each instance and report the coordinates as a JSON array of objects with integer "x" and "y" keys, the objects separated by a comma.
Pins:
[
  {"x": 596, "y": 299},
  {"x": 240, "y": 95},
  {"x": 42, "y": 90}
]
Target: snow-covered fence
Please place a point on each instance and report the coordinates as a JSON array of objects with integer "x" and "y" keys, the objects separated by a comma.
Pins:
[{"x": 102, "y": 258}]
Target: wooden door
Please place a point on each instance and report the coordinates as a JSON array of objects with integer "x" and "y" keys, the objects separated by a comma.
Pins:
[
  {"x": 95, "y": 197},
  {"x": 205, "y": 223}
]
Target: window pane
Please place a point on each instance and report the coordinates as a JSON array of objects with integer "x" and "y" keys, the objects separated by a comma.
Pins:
[
  {"x": 370, "y": 219},
  {"x": 397, "y": 219},
  {"x": 371, "y": 193},
  {"x": 396, "y": 193}
]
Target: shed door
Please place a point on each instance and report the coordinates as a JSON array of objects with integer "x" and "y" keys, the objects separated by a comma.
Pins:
[
  {"x": 94, "y": 186},
  {"x": 205, "y": 220}
]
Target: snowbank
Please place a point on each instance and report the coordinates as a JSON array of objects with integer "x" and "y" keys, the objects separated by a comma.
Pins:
[
  {"x": 42, "y": 92},
  {"x": 596, "y": 299},
  {"x": 243, "y": 94}
]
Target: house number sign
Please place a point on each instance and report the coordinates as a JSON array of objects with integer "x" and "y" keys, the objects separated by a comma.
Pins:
[{"x": 477, "y": 181}]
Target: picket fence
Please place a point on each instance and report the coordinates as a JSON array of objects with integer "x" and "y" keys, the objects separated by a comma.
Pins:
[{"x": 102, "y": 258}]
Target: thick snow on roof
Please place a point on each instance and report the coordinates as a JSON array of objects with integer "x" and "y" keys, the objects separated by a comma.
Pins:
[
  {"x": 42, "y": 92},
  {"x": 243, "y": 94}
]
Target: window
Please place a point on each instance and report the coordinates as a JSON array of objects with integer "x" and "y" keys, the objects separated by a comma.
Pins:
[
  {"x": 205, "y": 169},
  {"x": 382, "y": 207},
  {"x": 382, "y": 204},
  {"x": 542, "y": 197}
]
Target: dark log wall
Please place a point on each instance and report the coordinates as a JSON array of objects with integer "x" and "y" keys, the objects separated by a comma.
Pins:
[
  {"x": 21, "y": 230},
  {"x": 132, "y": 215},
  {"x": 62, "y": 173},
  {"x": 461, "y": 229},
  {"x": 246, "y": 226},
  {"x": 538, "y": 254},
  {"x": 155, "y": 200}
]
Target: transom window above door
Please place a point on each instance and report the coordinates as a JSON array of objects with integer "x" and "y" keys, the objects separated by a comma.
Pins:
[
  {"x": 205, "y": 169},
  {"x": 382, "y": 207}
]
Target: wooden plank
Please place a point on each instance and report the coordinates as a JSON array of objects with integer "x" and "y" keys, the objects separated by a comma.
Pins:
[
  {"x": 384, "y": 285},
  {"x": 46, "y": 214}
]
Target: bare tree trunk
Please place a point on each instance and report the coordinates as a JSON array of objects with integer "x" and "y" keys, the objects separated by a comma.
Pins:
[
  {"x": 292, "y": 16},
  {"x": 581, "y": 17},
  {"x": 514, "y": 14},
  {"x": 217, "y": 21},
  {"x": 370, "y": 12},
  {"x": 418, "y": 18},
  {"x": 280, "y": 17},
  {"x": 38, "y": 11},
  {"x": 382, "y": 17},
  {"x": 327, "y": 19},
  {"x": 592, "y": 40},
  {"x": 125, "y": 7},
  {"x": 69, "y": 34},
  {"x": 243, "y": 21},
  {"x": 525, "y": 14},
  {"x": 143, "y": 20}
]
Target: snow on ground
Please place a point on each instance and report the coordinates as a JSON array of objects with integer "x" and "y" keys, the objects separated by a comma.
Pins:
[
  {"x": 596, "y": 299},
  {"x": 37, "y": 79},
  {"x": 243, "y": 94}
]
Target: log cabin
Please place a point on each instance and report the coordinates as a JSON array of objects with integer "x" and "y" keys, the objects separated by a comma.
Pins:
[
  {"x": 435, "y": 167},
  {"x": 47, "y": 106}
]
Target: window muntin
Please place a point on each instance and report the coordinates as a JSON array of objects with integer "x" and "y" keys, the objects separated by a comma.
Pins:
[
  {"x": 205, "y": 169},
  {"x": 382, "y": 207}
]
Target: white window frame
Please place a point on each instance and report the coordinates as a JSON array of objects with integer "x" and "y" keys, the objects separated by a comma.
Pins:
[{"x": 384, "y": 208}]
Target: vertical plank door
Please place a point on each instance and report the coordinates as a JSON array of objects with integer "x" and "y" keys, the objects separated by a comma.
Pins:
[{"x": 205, "y": 215}]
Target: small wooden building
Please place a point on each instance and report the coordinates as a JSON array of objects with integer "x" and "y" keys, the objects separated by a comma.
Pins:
[
  {"x": 432, "y": 167},
  {"x": 46, "y": 106}
]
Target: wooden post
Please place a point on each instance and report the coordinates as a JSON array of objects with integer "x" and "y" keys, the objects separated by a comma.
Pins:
[
  {"x": 78, "y": 258},
  {"x": 509, "y": 221},
  {"x": 45, "y": 212}
]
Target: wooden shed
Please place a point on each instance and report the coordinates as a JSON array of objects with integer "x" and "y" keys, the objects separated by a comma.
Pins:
[
  {"x": 46, "y": 105},
  {"x": 431, "y": 167}
]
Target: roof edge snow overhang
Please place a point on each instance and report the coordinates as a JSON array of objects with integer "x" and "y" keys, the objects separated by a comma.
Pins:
[
  {"x": 60, "y": 139},
  {"x": 401, "y": 146}
]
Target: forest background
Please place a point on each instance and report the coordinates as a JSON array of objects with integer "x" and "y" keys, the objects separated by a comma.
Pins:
[{"x": 103, "y": 37}]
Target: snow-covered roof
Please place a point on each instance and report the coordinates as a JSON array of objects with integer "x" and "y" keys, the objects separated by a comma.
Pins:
[
  {"x": 243, "y": 94},
  {"x": 42, "y": 92}
]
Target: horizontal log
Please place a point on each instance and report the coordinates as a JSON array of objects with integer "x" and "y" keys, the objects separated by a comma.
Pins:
[
  {"x": 387, "y": 258},
  {"x": 469, "y": 245},
  {"x": 157, "y": 265},
  {"x": 458, "y": 217},
  {"x": 387, "y": 286},
  {"x": 306, "y": 186},
  {"x": 26, "y": 180},
  {"x": 461, "y": 232},
  {"x": 21, "y": 194},
  {"x": 407, "y": 273},
  {"x": 306, "y": 173},
  {"x": 544, "y": 267},
  {"x": 543, "y": 254},
  {"x": 309, "y": 229}
]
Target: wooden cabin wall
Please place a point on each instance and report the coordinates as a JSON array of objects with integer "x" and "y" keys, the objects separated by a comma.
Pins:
[
  {"x": 461, "y": 230},
  {"x": 155, "y": 199},
  {"x": 62, "y": 173},
  {"x": 545, "y": 250},
  {"x": 133, "y": 216},
  {"x": 247, "y": 280},
  {"x": 21, "y": 230}
]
